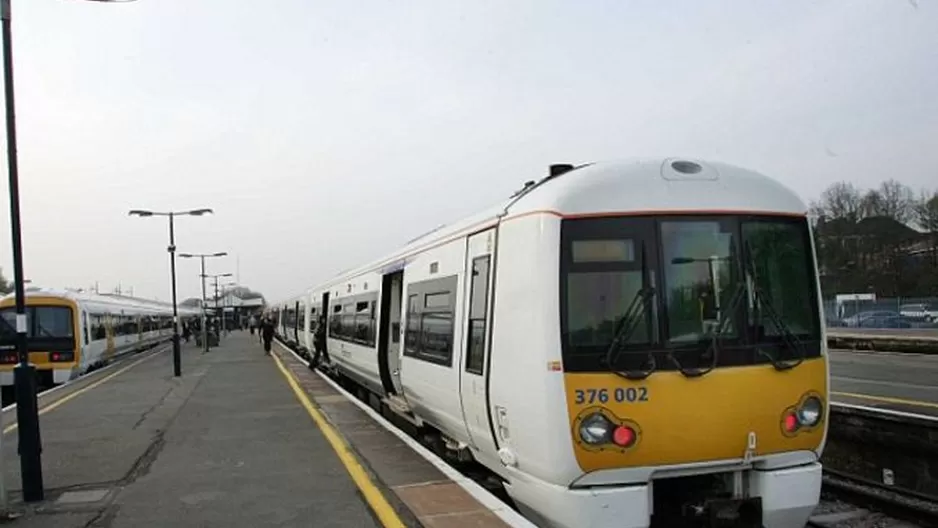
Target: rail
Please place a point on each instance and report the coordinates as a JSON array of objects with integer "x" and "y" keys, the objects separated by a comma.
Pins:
[
  {"x": 882, "y": 460},
  {"x": 920, "y": 341}
]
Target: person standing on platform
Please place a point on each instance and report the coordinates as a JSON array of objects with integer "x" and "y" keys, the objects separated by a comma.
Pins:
[
  {"x": 319, "y": 343},
  {"x": 267, "y": 334},
  {"x": 252, "y": 323}
]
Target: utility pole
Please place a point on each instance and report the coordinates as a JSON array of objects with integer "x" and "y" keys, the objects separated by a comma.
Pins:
[{"x": 202, "y": 276}]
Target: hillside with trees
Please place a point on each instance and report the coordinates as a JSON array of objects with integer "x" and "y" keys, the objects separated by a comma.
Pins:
[{"x": 882, "y": 240}]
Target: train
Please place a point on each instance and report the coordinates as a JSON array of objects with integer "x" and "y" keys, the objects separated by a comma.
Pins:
[
  {"x": 71, "y": 332},
  {"x": 629, "y": 343}
]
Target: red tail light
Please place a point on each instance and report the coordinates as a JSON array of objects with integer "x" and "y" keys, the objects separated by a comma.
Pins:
[
  {"x": 9, "y": 358},
  {"x": 623, "y": 436},
  {"x": 791, "y": 423},
  {"x": 61, "y": 357}
]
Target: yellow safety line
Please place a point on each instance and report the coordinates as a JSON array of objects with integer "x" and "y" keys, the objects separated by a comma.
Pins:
[
  {"x": 886, "y": 399},
  {"x": 373, "y": 495},
  {"x": 86, "y": 388}
]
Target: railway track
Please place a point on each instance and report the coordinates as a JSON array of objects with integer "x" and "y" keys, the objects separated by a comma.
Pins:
[
  {"x": 854, "y": 502},
  {"x": 877, "y": 470}
]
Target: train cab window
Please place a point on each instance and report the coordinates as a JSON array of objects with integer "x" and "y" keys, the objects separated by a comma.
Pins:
[
  {"x": 52, "y": 321},
  {"x": 779, "y": 253},
  {"x": 607, "y": 290},
  {"x": 699, "y": 277},
  {"x": 604, "y": 278}
]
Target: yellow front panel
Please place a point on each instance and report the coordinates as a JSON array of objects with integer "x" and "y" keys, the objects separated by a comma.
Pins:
[{"x": 683, "y": 420}]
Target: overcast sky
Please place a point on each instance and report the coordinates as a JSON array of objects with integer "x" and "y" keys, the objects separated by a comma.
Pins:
[{"x": 325, "y": 134}]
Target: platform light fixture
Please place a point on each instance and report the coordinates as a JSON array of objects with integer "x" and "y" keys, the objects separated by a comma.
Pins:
[{"x": 177, "y": 358}]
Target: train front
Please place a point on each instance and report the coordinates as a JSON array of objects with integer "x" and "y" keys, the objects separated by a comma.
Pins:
[
  {"x": 51, "y": 327},
  {"x": 695, "y": 368}
]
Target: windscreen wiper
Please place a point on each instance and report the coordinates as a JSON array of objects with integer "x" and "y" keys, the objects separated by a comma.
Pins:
[
  {"x": 791, "y": 340},
  {"x": 626, "y": 327},
  {"x": 42, "y": 330},
  {"x": 716, "y": 336},
  {"x": 7, "y": 327}
]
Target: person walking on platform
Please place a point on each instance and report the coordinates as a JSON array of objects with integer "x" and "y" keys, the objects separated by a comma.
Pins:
[
  {"x": 186, "y": 331},
  {"x": 319, "y": 343},
  {"x": 252, "y": 323},
  {"x": 267, "y": 334}
]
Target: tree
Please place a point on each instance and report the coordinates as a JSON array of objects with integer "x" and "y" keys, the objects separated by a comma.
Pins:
[
  {"x": 893, "y": 200},
  {"x": 865, "y": 241},
  {"x": 841, "y": 200},
  {"x": 926, "y": 216},
  {"x": 926, "y": 212}
]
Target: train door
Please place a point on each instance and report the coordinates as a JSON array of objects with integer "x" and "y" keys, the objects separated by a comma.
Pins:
[
  {"x": 109, "y": 334},
  {"x": 296, "y": 322},
  {"x": 324, "y": 313},
  {"x": 389, "y": 332},
  {"x": 473, "y": 384}
]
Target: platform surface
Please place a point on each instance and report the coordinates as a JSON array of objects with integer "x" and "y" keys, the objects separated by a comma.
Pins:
[{"x": 227, "y": 444}]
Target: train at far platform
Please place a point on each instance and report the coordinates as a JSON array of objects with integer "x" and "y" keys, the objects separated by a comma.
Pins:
[
  {"x": 69, "y": 333},
  {"x": 625, "y": 344}
]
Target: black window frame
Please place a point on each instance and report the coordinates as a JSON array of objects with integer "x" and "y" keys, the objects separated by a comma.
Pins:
[{"x": 738, "y": 351}]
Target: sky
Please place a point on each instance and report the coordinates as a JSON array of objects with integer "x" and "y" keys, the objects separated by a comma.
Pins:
[{"x": 325, "y": 134}]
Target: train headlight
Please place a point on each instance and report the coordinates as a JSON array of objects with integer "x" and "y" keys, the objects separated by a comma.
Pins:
[
  {"x": 809, "y": 414},
  {"x": 595, "y": 429}
]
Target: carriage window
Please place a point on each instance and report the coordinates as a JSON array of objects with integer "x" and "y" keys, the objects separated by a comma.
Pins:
[
  {"x": 478, "y": 308},
  {"x": 413, "y": 325},
  {"x": 430, "y": 323},
  {"x": 353, "y": 321}
]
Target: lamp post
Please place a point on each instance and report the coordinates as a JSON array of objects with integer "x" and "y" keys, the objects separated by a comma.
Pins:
[
  {"x": 226, "y": 288},
  {"x": 202, "y": 257},
  {"x": 177, "y": 359},
  {"x": 215, "y": 302},
  {"x": 24, "y": 374}
]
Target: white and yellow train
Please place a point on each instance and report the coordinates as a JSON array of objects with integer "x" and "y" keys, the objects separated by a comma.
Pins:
[
  {"x": 623, "y": 344},
  {"x": 69, "y": 333}
]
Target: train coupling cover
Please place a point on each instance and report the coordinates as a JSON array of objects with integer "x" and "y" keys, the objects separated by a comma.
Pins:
[{"x": 725, "y": 513}]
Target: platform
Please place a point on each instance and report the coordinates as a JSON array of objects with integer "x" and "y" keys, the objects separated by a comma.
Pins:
[
  {"x": 235, "y": 441},
  {"x": 896, "y": 381}
]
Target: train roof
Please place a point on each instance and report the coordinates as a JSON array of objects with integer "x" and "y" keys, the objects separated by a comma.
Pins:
[
  {"x": 102, "y": 300},
  {"x": 635, "y": 186}
]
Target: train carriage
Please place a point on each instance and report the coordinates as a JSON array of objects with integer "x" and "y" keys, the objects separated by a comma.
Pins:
[
  {"x": 621, "y": 344},
  {"x": 69, "y": 333}
]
